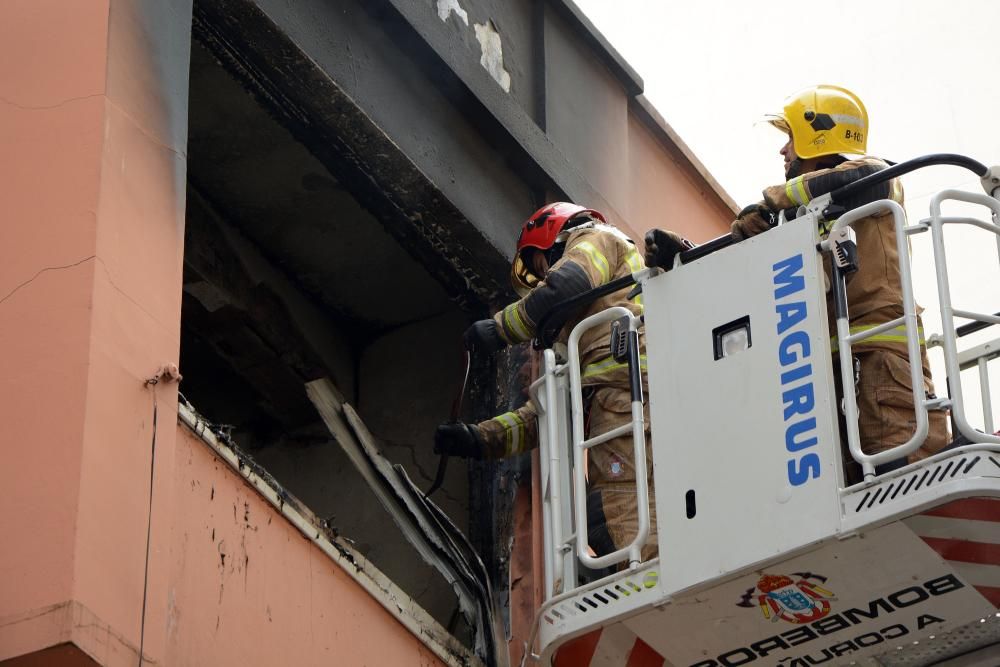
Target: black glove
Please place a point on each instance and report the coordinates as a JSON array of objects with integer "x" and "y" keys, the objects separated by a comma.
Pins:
[
  {"x": 483, "y": 336},
  {"x": 752, "y": 220},
  {"x": 662, "y": 246},
  {"x": 457, "y": 439}
]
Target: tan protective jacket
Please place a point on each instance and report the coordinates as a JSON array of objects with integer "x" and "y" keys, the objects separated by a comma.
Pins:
[
  {"x": 874, "y": 293},
  {"x": 604, "y": 254}
]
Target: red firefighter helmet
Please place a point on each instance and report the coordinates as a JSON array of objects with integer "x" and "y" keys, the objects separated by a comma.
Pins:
[{"x": 542, "y": 231}]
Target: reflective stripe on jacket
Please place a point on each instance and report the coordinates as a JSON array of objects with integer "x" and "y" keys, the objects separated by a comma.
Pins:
[
  {"x": 875, "y": 291},
  {"x": 600, "y": 254}
]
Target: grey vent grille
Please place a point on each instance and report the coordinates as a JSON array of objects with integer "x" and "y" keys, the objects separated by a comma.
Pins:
[
  {"x": 600, "y": 598},
  {"x": 920, "y": 479}
]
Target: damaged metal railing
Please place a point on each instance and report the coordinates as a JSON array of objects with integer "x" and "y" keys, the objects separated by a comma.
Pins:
[
  {"x": 440, "y": 543},
  {"x": 319, "y": 532}
]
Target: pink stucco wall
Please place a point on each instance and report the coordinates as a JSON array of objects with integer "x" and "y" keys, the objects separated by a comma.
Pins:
[
  {"x": 665, "y": 191},
  {"x": 50, "y": 140},
  {"x": 93, "y": 210},
  {"x": 105, "y": 544},
  {"x": 245, "y": 587}
]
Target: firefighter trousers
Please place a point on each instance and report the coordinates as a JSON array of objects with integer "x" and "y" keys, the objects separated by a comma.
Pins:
[
  {"x": 613, "y": 515},
  {"x": 886, "y": 412}
]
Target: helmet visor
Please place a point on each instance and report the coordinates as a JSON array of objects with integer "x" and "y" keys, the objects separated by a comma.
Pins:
[
  {"x": 521, "y": 277},
  {"x": 778, "y": 121}
]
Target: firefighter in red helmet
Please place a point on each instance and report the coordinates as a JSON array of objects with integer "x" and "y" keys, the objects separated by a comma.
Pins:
[{"x": 565, "y": 250}]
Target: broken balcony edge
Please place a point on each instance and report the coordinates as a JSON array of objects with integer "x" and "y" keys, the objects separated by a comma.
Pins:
[{"x": 392, "y": 598}]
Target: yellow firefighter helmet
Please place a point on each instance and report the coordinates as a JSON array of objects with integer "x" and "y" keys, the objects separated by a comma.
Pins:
[{"x": 824, "y": 120}]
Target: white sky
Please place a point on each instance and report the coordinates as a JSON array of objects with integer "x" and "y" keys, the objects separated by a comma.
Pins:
[{"x": 926, "y": 70}]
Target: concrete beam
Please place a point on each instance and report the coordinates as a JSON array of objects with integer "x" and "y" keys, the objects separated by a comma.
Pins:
[
  {"x": 315, "y": 108},
  {"x": 509, "y": 125}
]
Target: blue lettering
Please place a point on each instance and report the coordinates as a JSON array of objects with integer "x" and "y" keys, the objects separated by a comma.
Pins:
[
  {"x": 793, "y": 348},
  {"x": 798, "y": 429},
  {"x": 798, "y": 400},
  {"x": 790, "y": 314},
  {"x": 786, "y": 281},
  {"x": 803, "y": 371},
  {"x": 785, "y": 355},
  {"x": 799, "y": 475}
]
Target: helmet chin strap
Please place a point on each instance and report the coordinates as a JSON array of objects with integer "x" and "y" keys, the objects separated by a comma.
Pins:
[
  {"x": 559, "y": 245},
  {"x": 794, "y": 169},
  {"x": 553, "y": 254}
]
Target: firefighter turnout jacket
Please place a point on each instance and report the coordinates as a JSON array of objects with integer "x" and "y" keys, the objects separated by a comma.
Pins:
[
  {"x": 874, "y": 296},
  {"x": 593, "y": 256}
]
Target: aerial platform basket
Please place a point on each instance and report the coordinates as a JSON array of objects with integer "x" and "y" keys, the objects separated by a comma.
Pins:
[{"x": 767, "y": 555}]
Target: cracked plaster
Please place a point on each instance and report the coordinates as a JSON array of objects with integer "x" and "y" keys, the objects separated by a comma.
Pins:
[
  {"x": 492, "y": 49},
  {"x": 446, "y": 7}
]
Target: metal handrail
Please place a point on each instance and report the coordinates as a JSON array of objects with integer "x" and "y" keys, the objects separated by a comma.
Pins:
[
  {"x": 544, "y": 393},
  {"x": 632, "y": 551},
  {"x": 949, "y": 339},
  {"x": 846, "y": 340},
  {"x": 979, "y": 357}
]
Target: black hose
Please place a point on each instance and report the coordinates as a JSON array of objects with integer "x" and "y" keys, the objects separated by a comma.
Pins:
[
  {"x": 842, "y": 193},
  {"x": 707, "y": 248},
  {"x": 551, "y": 323},
  {"x": 973, "y": 327}
]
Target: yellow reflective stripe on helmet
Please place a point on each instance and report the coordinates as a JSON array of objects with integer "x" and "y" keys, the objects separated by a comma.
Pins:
[
  {"x": 515, "y": 324},
  {"x": 599, "y": 261},
  {"x": 610, "y": 364},
  {"x": 513, "y": 427},
  {"x": 896, "y": 335},
  {"x": 796, "y": 190}
]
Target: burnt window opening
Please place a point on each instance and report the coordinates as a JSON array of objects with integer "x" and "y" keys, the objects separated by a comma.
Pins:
[{"x": 288, "y": 279}]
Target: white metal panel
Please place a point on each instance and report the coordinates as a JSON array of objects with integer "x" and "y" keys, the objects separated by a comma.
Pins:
[
  {"x": 949, "y": 475},
  {"x": 598, "y": 605},
  {"x": 861, "y": 597},
  {"x": 719, "y": 427}
]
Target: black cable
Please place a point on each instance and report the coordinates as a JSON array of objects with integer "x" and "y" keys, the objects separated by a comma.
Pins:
[
  {"x": 707, "y": 248},
  {"x": 552, "y": 322},
  {"x": 842, "y": 193},
  {"x": 149, "y": 524},
  {"x": 953, "y": 159},
  {"x": 973, "y": 327}
]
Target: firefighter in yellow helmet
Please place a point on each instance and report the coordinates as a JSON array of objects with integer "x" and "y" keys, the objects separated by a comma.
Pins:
[
  {"x": 564, "y": 250},
  {"x": 822, "y": 124}
]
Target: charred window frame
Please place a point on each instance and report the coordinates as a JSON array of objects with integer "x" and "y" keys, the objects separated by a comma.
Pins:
[{"x": 272, "y": 203}]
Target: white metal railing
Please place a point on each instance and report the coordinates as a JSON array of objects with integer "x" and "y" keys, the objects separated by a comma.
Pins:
[
  {"x": 631, "y": 551},
  {"x": 550, "y": 393},
  {"x": 846, "y": 341},
  {"x": 978, "y": 357},
  {"x": 558, "y": 394},
  {"x": 949, "y": 338}
]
